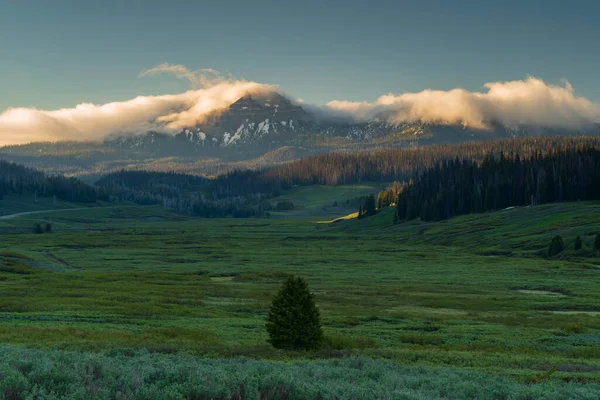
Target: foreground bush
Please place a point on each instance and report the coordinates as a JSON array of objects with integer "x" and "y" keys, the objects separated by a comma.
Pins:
[{"x": 54, "y": 374}]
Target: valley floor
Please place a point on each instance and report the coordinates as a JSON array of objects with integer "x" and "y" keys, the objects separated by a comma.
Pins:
[{"x": 473, "y": 296}]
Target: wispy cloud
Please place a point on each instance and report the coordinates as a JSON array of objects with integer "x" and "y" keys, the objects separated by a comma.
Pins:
[{"x": 200, "y": 78}]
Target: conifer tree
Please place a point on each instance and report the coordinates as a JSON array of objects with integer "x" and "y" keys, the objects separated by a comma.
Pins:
[
  {"x": 597, "y": 242},
  {"x": 556, "y": 246},
  {"x": 37, "y": 228},
  {"x": 578, "y": 243},
  {"x": 294, "y": 321},
  {"x": 370, "y": 206}
]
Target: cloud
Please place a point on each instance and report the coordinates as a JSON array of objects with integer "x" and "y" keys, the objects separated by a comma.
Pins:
[
  {"x": 87, "y": 121},
  {"x": 200, "y": 78},
  {"x": 524, "y": 102}
]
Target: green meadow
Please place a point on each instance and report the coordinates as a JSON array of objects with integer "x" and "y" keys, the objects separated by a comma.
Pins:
[{"x": 472, "y": 295}]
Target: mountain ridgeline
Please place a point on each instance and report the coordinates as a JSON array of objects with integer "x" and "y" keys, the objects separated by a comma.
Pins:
[{"x": 268, "y": 120}]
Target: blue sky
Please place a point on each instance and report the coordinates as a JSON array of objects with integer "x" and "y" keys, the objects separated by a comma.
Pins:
[{"x": 58, "y": 53}]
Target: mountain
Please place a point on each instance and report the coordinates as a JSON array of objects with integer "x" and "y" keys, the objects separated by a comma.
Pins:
[
  {"x": 251, "y": 132},
  {"x": 269, "y": 120},
  {"x": 249, "y": 120}
]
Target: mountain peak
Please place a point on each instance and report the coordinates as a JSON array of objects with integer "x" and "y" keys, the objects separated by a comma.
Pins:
[{"x": 266, "y": 102}]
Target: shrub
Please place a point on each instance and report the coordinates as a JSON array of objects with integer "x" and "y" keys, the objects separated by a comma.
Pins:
[
  {"x": 578, "y": 243},
  {"x": 556, "y": 246},
  {"x": 368, "y": 207},
  {"x": 294, "y": 321},
  {"x": 12, "y": 384},
  {"x": 284, "y": 205},
  {"x": 37, "y": 228},
  {"x": 597, "y": 242}
]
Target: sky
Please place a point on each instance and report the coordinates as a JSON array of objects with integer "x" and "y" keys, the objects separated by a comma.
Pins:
[{"x": 60, "y": 53}]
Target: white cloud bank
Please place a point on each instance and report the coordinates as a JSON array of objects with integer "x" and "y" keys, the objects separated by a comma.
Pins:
[
  {"x": 530, "y": 101},
  {"x": 524, "y": 102}
]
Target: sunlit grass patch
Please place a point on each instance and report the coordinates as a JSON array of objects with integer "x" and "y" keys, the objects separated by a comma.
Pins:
[
  {"x": 344, "y": 218},
  {"x": 540, "y": 292}
]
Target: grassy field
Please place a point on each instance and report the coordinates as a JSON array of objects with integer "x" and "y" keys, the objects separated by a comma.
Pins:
[
  {"x": 326, "y": 202},
  {"x": 15, "y": 204},
  {"x": 475, "y": 293}
]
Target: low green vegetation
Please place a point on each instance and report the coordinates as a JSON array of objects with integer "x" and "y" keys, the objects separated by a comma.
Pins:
[
  {"x": 454, "y": 305},
  {"x": 125, "y": 374}
]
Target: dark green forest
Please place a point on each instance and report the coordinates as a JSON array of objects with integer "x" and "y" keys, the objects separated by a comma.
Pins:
[
  {"x": 458, "y": 187},
  {"x": 19, "y": 180}
]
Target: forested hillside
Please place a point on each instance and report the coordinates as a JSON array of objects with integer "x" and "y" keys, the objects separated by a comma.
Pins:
[
  {"x": 246, "y": 193},
  {"x": 435, "y": 173},
  {"x": 236, "y": 194},
  {"x": 403, "y": 164},
  {"x": 458, "y": 187},
  {"x": 16, "y": 179}
]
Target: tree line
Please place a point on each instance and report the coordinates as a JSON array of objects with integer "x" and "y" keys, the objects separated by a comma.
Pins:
[{"x": 239, "y": 194}]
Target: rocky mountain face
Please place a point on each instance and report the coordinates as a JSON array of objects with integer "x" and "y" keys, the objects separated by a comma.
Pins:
[
  {"x": 252, "y": 120},
  {"x": 266, "y": 122}
]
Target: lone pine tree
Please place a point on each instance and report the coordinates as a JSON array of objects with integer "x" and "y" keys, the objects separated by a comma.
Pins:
[{"x": 294, "y": 321}]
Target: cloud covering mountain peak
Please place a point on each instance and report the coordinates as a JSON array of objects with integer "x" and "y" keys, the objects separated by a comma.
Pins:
[
  {"x": 529, "y": 102},
  {"x": 521, "y": 102}
]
